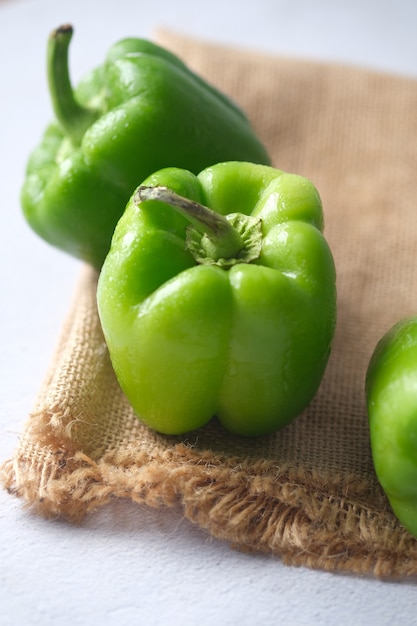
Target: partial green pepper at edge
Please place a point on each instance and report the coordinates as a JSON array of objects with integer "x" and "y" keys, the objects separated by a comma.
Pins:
[
  {"x": 142, "y": 110},
  {"x": 202, "y": 321},
  {"x": 391, "y": 395}
]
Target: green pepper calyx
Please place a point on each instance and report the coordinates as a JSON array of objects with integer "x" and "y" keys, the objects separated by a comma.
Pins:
[
  {"x": 73, "y": 118},
  {"x": 211, "y": 238}
]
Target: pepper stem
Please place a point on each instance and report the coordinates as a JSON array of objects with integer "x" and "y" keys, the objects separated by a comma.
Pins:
[
  {"x": 215, "y": 238},
  {"x": 74, "y": 118}
]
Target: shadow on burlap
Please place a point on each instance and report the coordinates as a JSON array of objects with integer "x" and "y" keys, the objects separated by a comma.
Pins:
[{"x": 308, "y": 493}]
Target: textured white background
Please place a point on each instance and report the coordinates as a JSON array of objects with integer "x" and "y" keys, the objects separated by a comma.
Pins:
[{"x": 126, "y": 565}]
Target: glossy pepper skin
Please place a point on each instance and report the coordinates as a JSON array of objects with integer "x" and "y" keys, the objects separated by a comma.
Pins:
[
  {"x": 140, "y": 111},
  {"x": 391, "y": 395},
  {"x": 195, "y": 329}
]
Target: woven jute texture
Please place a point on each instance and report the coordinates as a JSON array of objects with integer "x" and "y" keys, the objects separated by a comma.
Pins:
[{"x": 307, "y": 494}]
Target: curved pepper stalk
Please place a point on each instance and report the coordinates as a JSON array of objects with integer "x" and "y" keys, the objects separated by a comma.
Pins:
[
  {"x": 73, "y": 118},
  {"x": 213, "y": 239}
]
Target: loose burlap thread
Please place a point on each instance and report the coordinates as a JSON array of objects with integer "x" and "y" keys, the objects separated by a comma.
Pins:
[{"x": 307, "y": 493}]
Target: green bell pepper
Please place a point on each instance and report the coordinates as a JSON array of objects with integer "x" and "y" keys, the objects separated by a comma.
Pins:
[
  {"x": 391, "y": 397},
  {"x": 140, "y": 111},
  {"x": 218, "y": 298}
]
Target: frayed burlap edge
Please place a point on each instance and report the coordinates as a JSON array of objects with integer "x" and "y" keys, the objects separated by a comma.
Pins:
[{"x": 255, "y": 506}]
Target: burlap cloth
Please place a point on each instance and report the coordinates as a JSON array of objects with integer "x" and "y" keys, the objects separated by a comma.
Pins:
[{"x": 307, "y": 494}]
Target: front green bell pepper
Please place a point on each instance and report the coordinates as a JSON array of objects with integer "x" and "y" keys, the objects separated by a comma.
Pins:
[
  {"x": 391, "y": 396},
  {"x": 140, "y": 111},
  {"x": 218, "y": 298}
]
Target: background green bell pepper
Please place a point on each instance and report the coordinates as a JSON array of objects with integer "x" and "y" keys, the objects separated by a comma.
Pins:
[
  {"x": 142, "y": 110},
  {"x": 391, "y": 395},
  {"x": 232, "y": 315}
]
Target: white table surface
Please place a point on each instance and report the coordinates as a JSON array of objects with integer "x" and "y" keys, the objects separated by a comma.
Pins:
[{"x": 125, "y": 565}]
